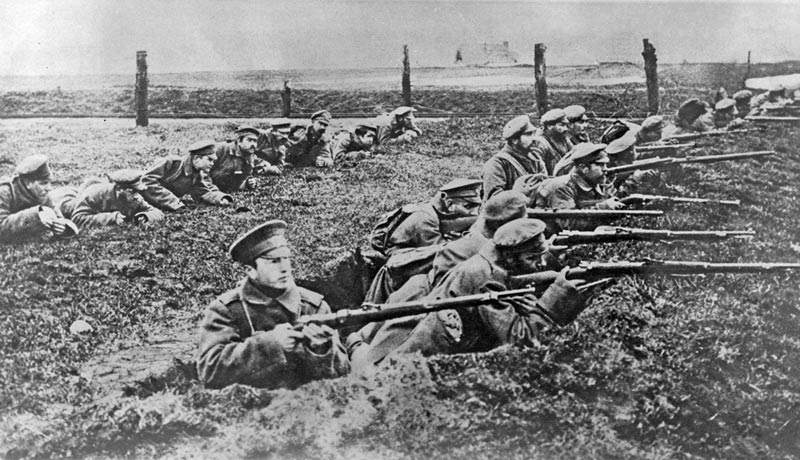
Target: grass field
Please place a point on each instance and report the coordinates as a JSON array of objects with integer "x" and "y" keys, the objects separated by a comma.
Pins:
[{"x": 681, "y": 367}]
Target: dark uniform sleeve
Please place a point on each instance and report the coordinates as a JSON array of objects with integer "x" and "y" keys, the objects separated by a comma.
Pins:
[
  {"x": 22, "y": 224},
  {"x": 322, "y": 153},
  {"x": 156, "y": 193},
  {"x": 204, "y": 190},
  {"x": 494, "y": 178},
  {"x": 88, "y": 212},
  {"x": 417, "y": 230},
  {"x": 224, "y": 358},
  {"x": 541, "y": 149}
]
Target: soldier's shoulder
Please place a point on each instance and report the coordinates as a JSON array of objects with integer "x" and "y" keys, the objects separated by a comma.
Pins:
[
  {"x": 229, "y": 297},
  {"x": 310, "y": 297}
]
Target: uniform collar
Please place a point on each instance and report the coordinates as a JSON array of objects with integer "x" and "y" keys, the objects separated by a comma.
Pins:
[
  {"x": 252, "y": 295},
  {"x": 186, "y": 165},
  {"x": 512, "y": 151}
]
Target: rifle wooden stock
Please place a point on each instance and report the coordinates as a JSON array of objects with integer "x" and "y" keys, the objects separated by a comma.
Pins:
[
  {"x": 369, "y": 312},
  {"x": 606, "y": 234},
  {"x": 641, "y": 198},
  {"x": 597, "y": 270},
  {"x": 661, "y": 162},
  {"x": 695, "y": 136}
]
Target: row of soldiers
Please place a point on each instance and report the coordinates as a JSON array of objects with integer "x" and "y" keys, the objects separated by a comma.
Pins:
[
  {"x": 247, "y": 335},
  {"x": 209, "y": 173}
]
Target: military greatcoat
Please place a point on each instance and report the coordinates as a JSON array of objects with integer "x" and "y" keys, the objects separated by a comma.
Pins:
[
  {"x": 310, "y": 150},
  {"x": 550, "y": 150},
  {"x": 232, "y": 168},
  {"x": 19, "y": 212},
  {"x": 237, "y": 344},
  {"x": 500, "y": 172},
  {"x": 98, "y": 205},
  {"x": 174, "y": 177}
]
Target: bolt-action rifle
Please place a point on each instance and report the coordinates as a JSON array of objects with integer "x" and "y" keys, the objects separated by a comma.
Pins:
[
  {"x": 712, "y": 133},
  {"x": 655, "y": 163},
  {"x": 461, "y": 224},
  {"x": 609, "y": 234},
  {"x": 593, "y": 273},
  {"x": 596, "y": 270}
]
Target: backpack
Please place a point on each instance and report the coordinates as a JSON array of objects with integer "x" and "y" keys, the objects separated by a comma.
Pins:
[{"x": 387, "y": 224}]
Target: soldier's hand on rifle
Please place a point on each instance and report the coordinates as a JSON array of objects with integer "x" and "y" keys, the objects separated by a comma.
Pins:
[
  {"x": 318, "y": 337},
  {"x": 226, "y": 201},
  {"x": 250, "y": 183},
  {"x": 611, "y": 204},
  {"x": 119, "y": 218},
  {"x": 287, "y": 337}
]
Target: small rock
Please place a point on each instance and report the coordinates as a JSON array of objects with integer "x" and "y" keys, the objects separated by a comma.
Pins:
[{"x": 80, "y": 327}]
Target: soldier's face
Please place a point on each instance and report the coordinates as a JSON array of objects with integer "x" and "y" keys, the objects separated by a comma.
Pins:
[
  {"x": 247, "y": 144},
  {"x": 39, "y": 187},
  {"x": 559, "y": 128},
  {"x": 723, "y": 117},
  {"x": 464, "y": 207},
  {"x": 525, "y": 141},
  {"x": 579, "y": 126},
  {"x": 594, "y": 173},
  {"x": 367, "y": 139},
  {"x": 705, "y": 122},
  {"x": 319, "y": 126},
  {"x": 649, "y": 136},
  {"x": 526, "y": 262},
  {"x": 126, "y": 194},
  {"x": 273, "y": 269},
  {"x": 203, "y": 162}
]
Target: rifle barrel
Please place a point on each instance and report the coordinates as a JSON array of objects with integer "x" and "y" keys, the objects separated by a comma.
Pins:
[
  {"x": 381, "y": 312},
  {"x": 596, "y": 270},
  {"x": 536, "y": 213},
  {"x": 616, "y": 234},
  {"x": 637, "y": 198},
  {"x": 661, "y": 162}
]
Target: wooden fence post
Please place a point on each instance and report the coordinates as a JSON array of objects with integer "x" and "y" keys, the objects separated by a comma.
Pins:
[
  {"x": 747, "y": 72},
  {"x": 539, "y": 71},
  {"x": 406, "y": 78},
  {"x": 651, "y": 72},
  {"x": 140, "y": 93},
  {"x": 286, "y": 100}
]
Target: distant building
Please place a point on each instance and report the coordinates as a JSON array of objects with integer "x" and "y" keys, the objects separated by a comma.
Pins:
[{"x": 486, "y": 54}]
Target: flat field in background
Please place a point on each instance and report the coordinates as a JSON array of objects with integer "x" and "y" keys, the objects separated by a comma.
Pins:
[{"x": 681, "y": 367}]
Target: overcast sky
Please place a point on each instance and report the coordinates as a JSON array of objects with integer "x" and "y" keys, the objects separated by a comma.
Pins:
[{"x": 102, "y": 36}]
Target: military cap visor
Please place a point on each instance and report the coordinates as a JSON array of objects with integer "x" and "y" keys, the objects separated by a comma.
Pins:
[
  {"x": 521, "y": 235},
  {"x": 587, "y": 152},
  {"x": 34, "y": 167},
  {"x": 281, "y": 125},
  {"x": 322, "y": 116},
  {"x": 200, "y": 148},
  {"x": 367, "y": 127},
  {"x": 258, "y": 241},
  {"x": 403, "y": 110},
  {"x": 743, "y": 95},
  {"x": 462, "y": 187},
  {"x": 245, "y": 131}
]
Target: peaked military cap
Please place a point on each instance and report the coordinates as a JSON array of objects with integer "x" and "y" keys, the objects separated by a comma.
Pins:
[
  {"x": 368, "y": 126},
  {"x": 517, "y": 125},
  {"x": 553, "y": 116},
  {"x": 743, "y": 95},
  {"x": 654, "y": 123},
  {"x": 622, "y": 144},
  {"x": 322, "y": 115},
  {"x": 243, "y": 131},
  {"x": 521, "y": 235},
  {"x": 588, "y": 152},
  {"x": 463, "y": 188},
  {"x": 575, "y": 113},
  {"x": 265, "y": 237},
  {"x": 691, "y": 110},
  {"x": 725, "y": 104},
  {"x": 505, "y": 206},
  {"x": 402, "y": 110},
  {"x": 201, "y": 148},
  {"x": 280, "y": 126},
  {"x": 34, "y": 167},
  {"x": 127, "y": 178}
]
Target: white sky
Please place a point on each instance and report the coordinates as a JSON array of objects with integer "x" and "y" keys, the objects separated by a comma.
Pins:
[{"x": 102, "y": 36}]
